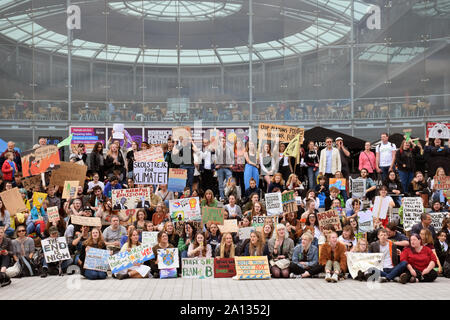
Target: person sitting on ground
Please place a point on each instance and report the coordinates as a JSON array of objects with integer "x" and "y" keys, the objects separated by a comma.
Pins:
[
  {"x": 256, "y": 246},
  {"x": 186, "y": 239},
  {"x": 209, "y": 200},
  {"x": 305, "y": 258},
  {"x": 281, "y": 248},
  {"x": 113, "y": 234},
  {"x": 95, "y": 240},
  {"x": 425, "y": 223},
  {"x": 54, "y": 268},
  {"x": 171, "y": 232},
  {"x": 276, "y": 182},
  {"x": 226, "y": 249},
  {"x": 5, "y": 251},
  {"x": 199, "y": 247},
  {"x": 441, "y": 247},
  {"x": 332, "y": 257},
  {"x": 234, "y": 211},
  {"x": 427, "y": 240},
  {"x": 348, "y": 237},
  {"x": 163, "y": 243}
]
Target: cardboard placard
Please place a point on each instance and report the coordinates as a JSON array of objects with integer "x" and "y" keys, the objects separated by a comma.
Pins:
[
  {"x": 179, "y": 226},
  {"x": 53, "y": 214},
  {"x": 185, "y": 209},
  {"x": 183, "y": 132},
  {"x": 358, "y": 188},
  {"x": 125, "y": 259},
  {"x": 274, "y": 205},
  {"x": 154, "y": 154},
  {"x": 289, "y": 203},
  {"x": 68, "y": 172},
  {"x": 150, "y": 172},
  {"x": 365, "y": 221},
  {"x": 86, "y": 221},
  {"x": 40, "y": 160},
  {"x": 244, "y": 233},
  {"x": 96, "y": 259},
  {"x": 177, "y": 179},
  {"x": 442, "y": 183},
  {"x": 213, "y": 215},
  {"x": 134, "y": 198},
  {"x": 361, "y": 261},
  {"x": 13, "y": 202},
  {"x": 55, "y": 249},
  {"x": 267, "y": 131},
  {"x": 329, "y": 217},
  {"x": 197, "y": 268},
  {"x": 70, "y": 189},
  {"x": 338, "y": 183},
  {"x": 224, "y": 268},
  {"x": 168, "y": 258},
  {"x": 252, "y": 268},
  {"x": 412, "y": 210},
  {"x": 380, "y": 207},
  {"x": 150, "y": 238},
  {"x": 438, "y": 130},
  {"x": 32, "y": 182},
  {"x": 229, "y": 226}
]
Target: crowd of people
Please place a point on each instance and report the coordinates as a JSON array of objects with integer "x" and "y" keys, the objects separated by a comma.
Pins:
[{"x": 237, "y": 177}]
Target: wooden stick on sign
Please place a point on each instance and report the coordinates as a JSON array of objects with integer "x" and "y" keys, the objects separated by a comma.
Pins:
[{"x": 43, "y": 179}]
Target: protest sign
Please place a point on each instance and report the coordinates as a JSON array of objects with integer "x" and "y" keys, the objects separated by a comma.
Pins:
[
  {"x": 442, "y": 183},
  {"x": 358, "y": 188},
  {"x": 213, "y": 215},
  {"x": 179, "y": 133},
  {"x": 150, "y": 172},
  {"x": 273, "y": 203},
  {"x": 284, "y": 133},
  {"x": 252, "y": 268},
  {"x": 40, "y": 160},
  {"x": 224, "y": 268},
  {"x": 96, "y": 259},
  {"x": 150, "y": 238},
  {"x": 32, "y": 182},
  {"x": 38, "y": 199},
  {"x": 168, "y": 273},
  {"x": 134, "y": 198},
  {"x": 365, "y": 221},
  {"x": 53, "y": 214},
  {"x": 55, "y": 249},
  {"x": 179, "y": 226},
  {"x": 125, "y": 259},
  {"x": 258, "y": 221},
  {"x": 118, "y": 131},
  {"x": 361, "y": 261},
  {"x": 154, "y": 154},
  {"x": 177, "y": 179},
  {"x": 436, "y": 220},
  {"x": 13, "y": 202},
  {"x": 289, "y": 203},
  {"x": 412, "y": 209},
  {"x": 438, "y": 130},
  {"x": 329, "y": 217},
  {"x": 244, "y": 233},
  {"x": 338, "y": 183},
  {"x": 86, "y": 221},
  {"x": 127, "y": 216},
  {"x": 380, "y": 207},
  {"x": 229, "y": 226},
  {"x": 168, "y": 258},
  {"x": 197, "y": 268},
  {"x": 68, "y": 171},
  {"x": 185, "y": 209},
  {"x": 70, "y": 189}
]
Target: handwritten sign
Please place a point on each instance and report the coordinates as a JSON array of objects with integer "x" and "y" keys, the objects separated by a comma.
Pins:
[
  {"x": 329, "y": 217},
  {"x": 96, "y": 259},
  {"x": 252, "y": 268},
  {"x": 125, "y": 259},
  {"x": 154, "y": 154},
  {"x": 150, "y": 172},
  {"x": 86, "y": 221},
  {"x": 12, "y": 200},
  {"x": 273, "y": 203},
  {"x": 31, "y": 183},
  {"x": 289, "y": 203},
  {"x": 412, "y": 210},
  {"x": 229, "y": 226},
  {"x": 358, "y": 188},
  {"x": 185, "y": 209},
  {"x": 40, "y": 160},
  {"x": 70, "y": 189},
  {"x": 213, "y": 215},
  {"x": 365, "y": 221},
  {"x": 258, "y": 221},
  {"x": 436, "y": 220},
  {"x": 244, "y": 233},
  {"x": 224, "y": 268},
  {"x": 179, "y": 226},
  {"x": 442, "y": 183},
  {"x": 53, "y": 214},
  {"x": 380, "y": 207},
  {"x": 150, "y": 238},
  {"x": 283, "y": 133},
  {"x": 68, "y": 172},
  {"x": 197, "y": 268},
  {"x": 177, "y": 179},
  {"x": 168, "y": 258},
  {"x": 183, "y": 132},
  {"x": 55, "y": 249}
]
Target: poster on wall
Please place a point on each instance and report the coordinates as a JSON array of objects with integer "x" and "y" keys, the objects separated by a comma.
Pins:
[
  {"x": 157, "y": 135},
  {"x": 88, "y": 136}
]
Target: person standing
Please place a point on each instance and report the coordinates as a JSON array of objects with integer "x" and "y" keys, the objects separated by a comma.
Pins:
[
  {"x": 345, "y": 157},
  {"x": 405, "y": 163},
  {"x": 385, "y": 156},
  {"x": 16, "y": 156},
  {"x": 224, "y": 160},
  {"x": 330, "y": 161},
  {"x": 367, "y": 160},
  {"x": 312, "y": 161}
]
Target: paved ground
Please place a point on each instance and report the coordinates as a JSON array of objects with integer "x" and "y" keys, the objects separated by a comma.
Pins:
[{"x": 78, "y": 288}]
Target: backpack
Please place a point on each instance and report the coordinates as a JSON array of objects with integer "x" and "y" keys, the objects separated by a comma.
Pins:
[{"x": 28, "y": 267}]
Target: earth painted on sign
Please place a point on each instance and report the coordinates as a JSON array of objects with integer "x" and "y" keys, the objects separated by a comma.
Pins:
[{"x": 168, "y": 258}]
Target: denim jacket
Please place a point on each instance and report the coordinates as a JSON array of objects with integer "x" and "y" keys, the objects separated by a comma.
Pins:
[{"x": 312, "y": 255}]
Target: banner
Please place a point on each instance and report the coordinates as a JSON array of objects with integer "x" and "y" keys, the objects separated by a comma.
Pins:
[
  {"x": 252, "y": 268},
  {"x": 365, "y": 221},
  {"x": 438, "y": 130},
  {"x": 125, "y": 259},
  {"x": 177, "y": 179},
  {"x": 150, "y": 238},
  {"x": 13, "y": 202},
  {"x": 154, "y": 154},
  {"x": 442, "y": 183},
  {"x": 68, "y": 172},
  {"x": 380, "y": 207},
  {"x": 289, "y": 203},
  {"x": 134, "y": 198},
  {"x": 55, "y": 249},
  {"x": 437, "y": 218},
  {"x": 229, "y": 226},
  {"x": 40, "y": 160},
  {"x": 197, "y": 268},
  {"x": 150, "y": 172},
  {"x": 87, "y": 136},
  {"x": 70, "y": 189},
  {"x": 224, "y": 268},
  {"x": 168, "y": 258},
  {"x": 244, "y": 233},
  {"x": 274, "y": 205},
  {"x": 358, "y": 188},
  {"x": 329, "y": 217},
  {"x": 53, "y": 214},
  {"x": 360, "y": 261},
  {"x": 96, "y": 259},
  {"x": 285, "y": 133},
  {"x": 185, "y": 209},
  {"x": 338, "y": 183},
  {"x": 412, "y": 210},
  {"x": 86, "y": 221},
  {"x": 213, "y": 215}
]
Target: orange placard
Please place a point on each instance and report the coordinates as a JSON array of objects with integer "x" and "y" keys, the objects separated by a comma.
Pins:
[{"x": 40, "y": 160}]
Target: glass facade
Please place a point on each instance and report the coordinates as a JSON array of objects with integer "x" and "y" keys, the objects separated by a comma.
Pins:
[{"x": 354, "y": 66}]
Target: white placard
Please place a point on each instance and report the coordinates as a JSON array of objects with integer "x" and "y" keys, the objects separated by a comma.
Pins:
[
  {"x": 118, "y": 131},
  {"x": 274, "y": 204},
  {"x": 412, "y": 209},
  {"x": 150, "y": 172}
]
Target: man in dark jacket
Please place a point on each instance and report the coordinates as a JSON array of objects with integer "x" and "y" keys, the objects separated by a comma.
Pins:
[
  {"x": 16, "y": 154},
  {"x": 425, "y": 223},
  {"x": 391, "y": 266}
]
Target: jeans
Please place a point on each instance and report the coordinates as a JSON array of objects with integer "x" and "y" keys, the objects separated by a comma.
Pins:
[
  {"x": 9, "y": 232},
  {"x": 223, "y": 174},
  {"x": 391, "y": 273},
  {"x": 250, "y": 172},
  {"x": 385, "y": 173},
  {"x": 405, "y": 178},
  {"x": 184, "y": 254},
  {"x": 313, "y": 270},
  {"x": 64, "y": 264},
  {"x": 312, "y": 177},
  {"x": 32, "y": 228},
  {"x": 93, "y": 274},
  {"x": 190, "y": 175}
]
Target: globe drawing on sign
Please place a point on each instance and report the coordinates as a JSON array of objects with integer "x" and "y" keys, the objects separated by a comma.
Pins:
[{"x": 168, "y": 258}]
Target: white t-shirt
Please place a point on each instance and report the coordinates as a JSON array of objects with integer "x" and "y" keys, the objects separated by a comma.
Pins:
[
  {"x": 385, "y": 151},
  {"x": 387, "y": 261},
  {"x": 92, "y": 184}
]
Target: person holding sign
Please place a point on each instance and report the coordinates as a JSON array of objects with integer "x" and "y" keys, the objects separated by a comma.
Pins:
[
  {"x": 420, "y": 262},
  {"x": 138, "y": 270},
  {"x": 114, "y": 162},
  {"x": 163, "y": 243},
  {"x": 209, "y": 200},
  {"x": 95, "y": 240},
  {"x": 187, "y": 237},
  {"x": 305, "y": 259},
  {"x": 438, "y": 155},
  {"x": 332, "y": 257},
  {"x": 405, "y": 160},
  {"x": 425, "y": 223},
  {"x": 395, "y": 187},
  {"x": 63, "y": 265},
  {"x": 280, "y": 248},
  {"x": 173, "y": 236}
]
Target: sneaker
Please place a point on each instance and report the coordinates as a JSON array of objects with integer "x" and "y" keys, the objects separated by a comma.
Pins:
[
  {"x": 360, "y": 276},
  {"x": 412, "y": 280},
  {"x": 403, "y": 278},
  {"x": 334, "y": 278},
  {"x": 292, "y": 276},
  {"x": 122, "y": 276},
  {"x": 44, "y": 273},
  {"x": 328, "y": 277},
  {"x": 396, "y": 279}
]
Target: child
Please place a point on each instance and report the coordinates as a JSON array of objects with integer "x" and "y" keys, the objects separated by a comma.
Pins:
[
  {"x": 9, "y": 168},
  {"x": 322, "y": 191}
]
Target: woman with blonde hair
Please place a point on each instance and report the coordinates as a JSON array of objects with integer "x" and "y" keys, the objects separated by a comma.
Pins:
[
  {"x": 114, "y": 162},
  {"x": 361, "y": 246},
  {"x": 138, "y": 270},
  {"x": 294, "y": 183},
  {"x": 276, "y": 182},
  {"x": 208, "y": 199},
  {"x": 438, "y": 195},
  {"x": 305, "y": 258},
  {"x": 280, "y": 248},
  {"x": 226, "y": 249},
  {"x": 268, "y": 164}
]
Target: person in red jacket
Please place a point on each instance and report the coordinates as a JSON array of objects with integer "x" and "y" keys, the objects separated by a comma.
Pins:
[
  {"x": 421, "y": 261},
  {"x": 9, "y": 167}
]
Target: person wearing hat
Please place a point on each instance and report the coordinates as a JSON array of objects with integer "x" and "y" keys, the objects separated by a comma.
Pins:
[
  {"x": 345, "y": 155},
  {"x": 52, "y": 268}
]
